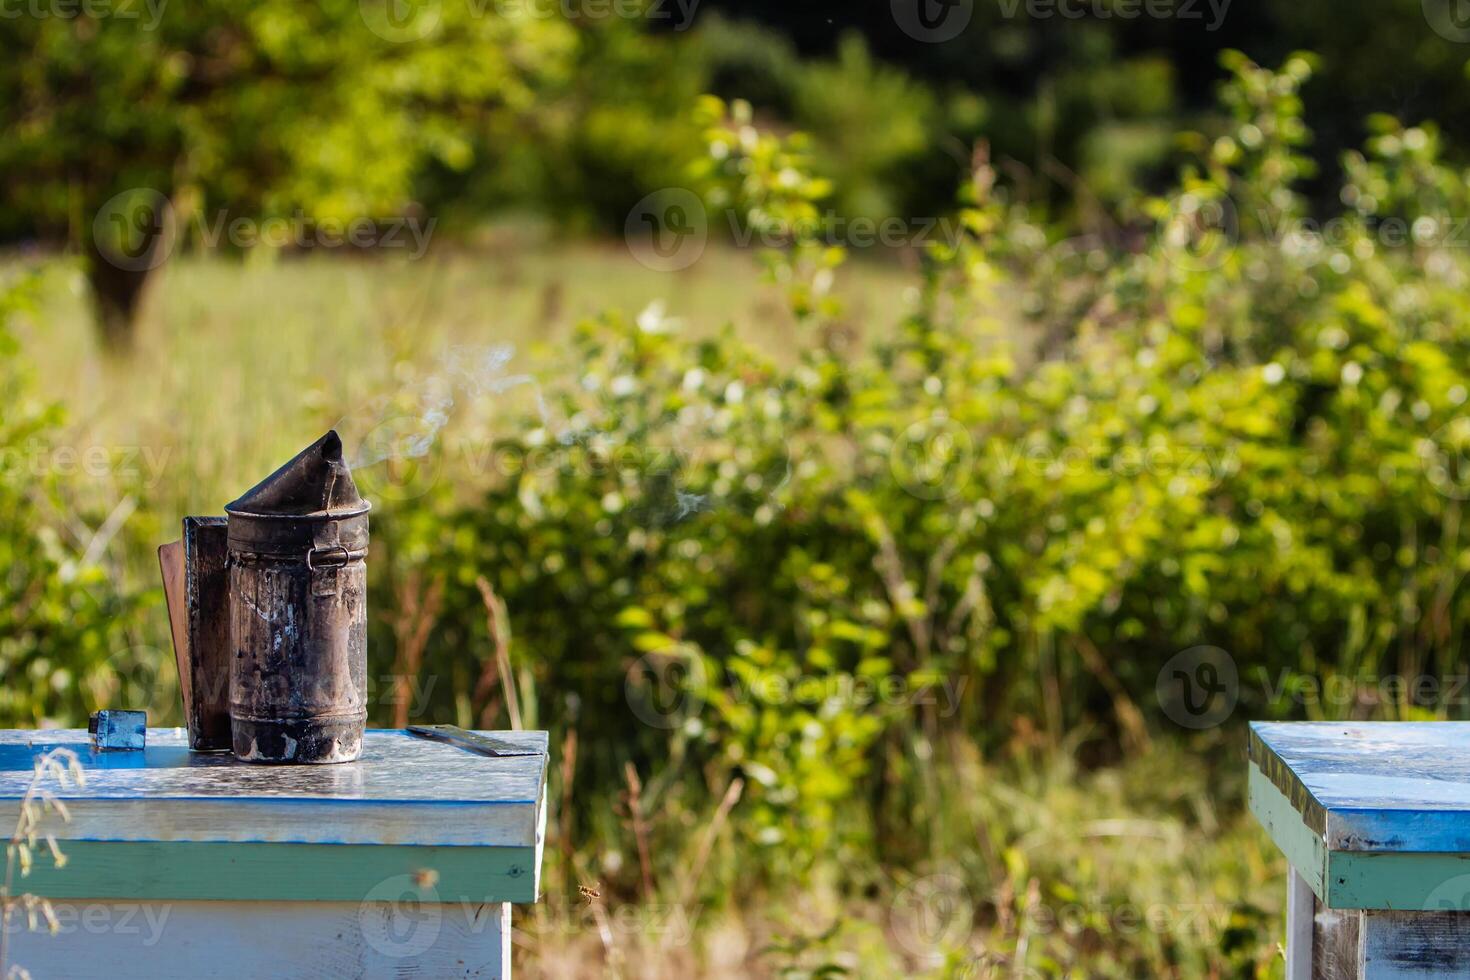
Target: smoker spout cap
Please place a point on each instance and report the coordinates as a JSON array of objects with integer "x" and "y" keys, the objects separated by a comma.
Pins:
[{"x": 315, "y": 483}]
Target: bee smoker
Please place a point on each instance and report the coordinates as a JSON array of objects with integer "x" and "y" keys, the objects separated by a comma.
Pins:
[{"x": 293, "y": 645}]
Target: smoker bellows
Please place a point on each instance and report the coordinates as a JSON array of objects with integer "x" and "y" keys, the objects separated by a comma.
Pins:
[{"x": 269, "y": 615}]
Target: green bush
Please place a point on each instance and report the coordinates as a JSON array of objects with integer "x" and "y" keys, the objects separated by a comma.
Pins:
[
  {"x": 65, "y": 624},
  {"x": 1240, "y": 434},
  {"x": 876, "y": 131}
]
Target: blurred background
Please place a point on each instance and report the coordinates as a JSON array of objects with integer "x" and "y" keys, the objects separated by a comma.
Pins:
[{"x": 894, "y": 448}]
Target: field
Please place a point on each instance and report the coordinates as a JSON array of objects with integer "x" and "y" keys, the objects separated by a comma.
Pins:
[
  {"x": 241, "y": 360},
  {"x": 1017, "y": 862}
]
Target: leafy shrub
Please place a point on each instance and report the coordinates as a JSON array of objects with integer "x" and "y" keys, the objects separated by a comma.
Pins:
[
  {"x": 873, "y": 127},
  {"x": 63, "y": 620},
  {"x": 1240, "y": 432}
]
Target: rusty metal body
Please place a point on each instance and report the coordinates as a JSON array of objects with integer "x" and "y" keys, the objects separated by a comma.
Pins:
[{"x": 298, "y": 612}]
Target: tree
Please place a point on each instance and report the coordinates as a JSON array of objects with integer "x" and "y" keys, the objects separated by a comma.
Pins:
[{"x": 134, "y": 125}]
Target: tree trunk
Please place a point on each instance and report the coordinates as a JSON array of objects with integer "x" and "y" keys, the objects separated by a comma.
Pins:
[{"x": 116, "y": 294}]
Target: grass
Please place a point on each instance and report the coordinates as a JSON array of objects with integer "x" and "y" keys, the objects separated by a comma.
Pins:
[
  {"x": 1027, "y": 866},
  {"x": 1021, "y": 865},
  {"x": 239, "y": 365}
]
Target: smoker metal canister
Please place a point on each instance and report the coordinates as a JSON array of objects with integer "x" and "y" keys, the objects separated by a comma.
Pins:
[{"x": 298, "y": 612}]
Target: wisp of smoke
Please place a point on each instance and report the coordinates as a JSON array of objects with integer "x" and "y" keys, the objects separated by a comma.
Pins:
[{"x": 407, "y": 424}]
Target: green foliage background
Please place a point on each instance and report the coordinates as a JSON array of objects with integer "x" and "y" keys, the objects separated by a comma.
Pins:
[{"x": 870, "y": 614}]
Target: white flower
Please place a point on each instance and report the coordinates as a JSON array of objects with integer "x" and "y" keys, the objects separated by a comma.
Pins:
[{"x": 652, "y": 319}]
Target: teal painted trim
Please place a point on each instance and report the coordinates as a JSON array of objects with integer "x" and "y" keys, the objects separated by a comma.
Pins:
[
  {"x": 1303, "y": 846},
  {"x": 1403, "y": 882},
  {"x": 193, "y": 870}
]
